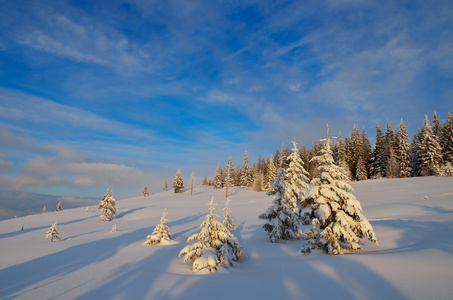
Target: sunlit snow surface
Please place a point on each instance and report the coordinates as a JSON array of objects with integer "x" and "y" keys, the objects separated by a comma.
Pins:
[{"x": 412, "y": 218}]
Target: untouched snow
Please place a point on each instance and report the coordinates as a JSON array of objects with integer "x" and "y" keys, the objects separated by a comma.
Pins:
[{"x": 412, "y": 218}]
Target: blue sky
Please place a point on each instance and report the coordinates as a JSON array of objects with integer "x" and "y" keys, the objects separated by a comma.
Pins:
[{"x": 126, "y": 92}]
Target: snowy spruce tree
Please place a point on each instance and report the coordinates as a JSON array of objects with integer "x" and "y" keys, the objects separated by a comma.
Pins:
[
  {"x": 145, "y": 192},
  {"x": 108, "y": 206},
  {"x": 246, "y": 173},
  {"x": 165, "y": 187},
  {"x": 284, "y": 223},
  {"x": 59, "y": 207},
  {"x": 215, "y": 246},
  {"x": 389, "y": 152},
  {"x": 178, "y": 185},
  {"x": 337, "y": 217},
  {"x": 429, "y": 150},
  {"x": 229, "y": 176},
  {"x": 446, "y": 169},
  {"x": 114, "y": 229},
  {"x": 365, "y": 153},
  {"x": 258, "y": 182},
  {"x": 297, "y": 179},
  {"x": 447, "y": 140},
  {"x": 355, "y": 151},
  {"x": 437, "y": 128},
  {"x": 53, "y": 232},
  {"x": 237, "y": 175},
  {"x": 271, "y": 174},
  {"x": 403, "y": 151},
  {"x": 378, "y": 159},
  {"x": 340, "y": 155},
  {"x": 218, "y": 178},
  {"x": 192, "y": 183},
  {"x": 227, "y": 221},
  {"x": 161, "y": 232}
]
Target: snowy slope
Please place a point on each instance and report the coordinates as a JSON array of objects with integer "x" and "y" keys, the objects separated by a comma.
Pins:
[{"x": 412, "y": 218}]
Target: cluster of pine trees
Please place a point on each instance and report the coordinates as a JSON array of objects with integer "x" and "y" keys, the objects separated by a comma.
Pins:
[
  {"x": 336, "y": 216},
  {"x": 429, "y": 153},
  {"x": 260, "y": 176},
  {"x": 394, "y": 155},
  {"x": 214, "y": 246}
]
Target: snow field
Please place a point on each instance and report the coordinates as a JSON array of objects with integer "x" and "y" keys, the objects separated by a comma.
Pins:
[{"x": 412, "y": 261}]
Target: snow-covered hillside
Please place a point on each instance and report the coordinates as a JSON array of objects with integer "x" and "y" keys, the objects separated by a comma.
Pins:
[{"x": 412, "y": 218}]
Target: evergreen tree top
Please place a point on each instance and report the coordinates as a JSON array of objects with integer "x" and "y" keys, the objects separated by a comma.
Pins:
[
  {"x": 211, "y": 207},
  {"x": 163, "y": 218}
]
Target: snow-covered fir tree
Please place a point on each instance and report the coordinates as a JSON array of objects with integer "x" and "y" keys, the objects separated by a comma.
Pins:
[
  {"x": 339, "y": 152},
  {"x": 313, "y": 152},
  {"x": 215, "y": 245},
  {"x": 271, "y": 174},
  {"x": 246, "y": 172},
  {"x": 345, "y": 168},
  {"x": 365, "y": 154},
  {"x": 178, "y": 185},
  {"x": 114, "y": 229},
  {"x": 53, "y": 232},
  {"x": 446, "y": 169},
  {"x": 59, "y": 207},
  {"x": 284, "y": 223},
  {"x": 192, "y": 183},
  {"x": 392, "y": 169},
  {"x": 378, "y": 158},
  {"x": 218, "y": 178},
  {"x": 254, "y": 171},
  {"x": 258, "y": 182},
  {"x": 161, "y": 232},
  {"x": 361, "y": 171},
  {"x": 416, "y": 161},
  {"x": 229, "y": 173},
  {"x": 261, "y": 164},
  {"x": 284, "y": 153},
  {"x": 227, "y": 221},
  {"x": 447, "y": 140},
  {"x": 44, "y": 209},
  {"x": 297, "y": 179},
  {"x": 403, "y": 150},
  {"x": 356, "y": 151},
  {"x": 237, "y": 175},
  {"x": 340, "y": 156},
  {"x": 277, "y": 160},
  {"x": 430, "y": 151},
  {"x": 145, "y": 192},
  {"x": 229, "y": 176},
  {"x": 389, "y": 149},
  {"x": 336, "y": 215},
  {"x": 108, "y": 206},
  {"x": 165, "y": 187},
  {"x": 437, "y": 128},
  {"x": 305, "y": 156}
]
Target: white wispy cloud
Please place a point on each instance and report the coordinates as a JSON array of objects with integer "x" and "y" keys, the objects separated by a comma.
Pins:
[
  {"x": 67, "y": 32},
  {"x": 17, "y": 107}
]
